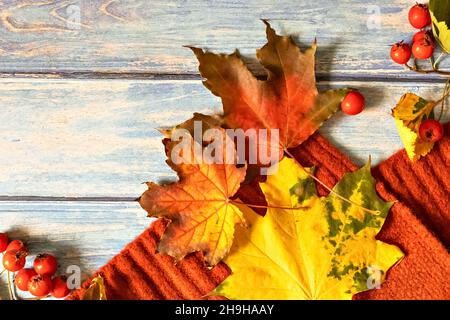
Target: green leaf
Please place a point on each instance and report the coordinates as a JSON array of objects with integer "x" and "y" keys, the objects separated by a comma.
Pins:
[{"x": 440, "y": 18}]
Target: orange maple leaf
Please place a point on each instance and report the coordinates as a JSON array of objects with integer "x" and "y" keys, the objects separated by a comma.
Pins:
[
  {"x": 199, "y": 206},
  {"x": 288, "y": 100}
]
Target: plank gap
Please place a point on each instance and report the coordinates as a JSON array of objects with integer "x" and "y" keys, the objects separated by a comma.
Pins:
[
  {"x": 65, "y": 199},
  {"x": 400, "y": 78}
]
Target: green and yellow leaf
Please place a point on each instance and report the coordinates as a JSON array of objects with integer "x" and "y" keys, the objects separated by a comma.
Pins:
[
  {"x": 326, "y": 250},
  {"x": 440, "y": 19},
  {"x": 409, "y": 113}
]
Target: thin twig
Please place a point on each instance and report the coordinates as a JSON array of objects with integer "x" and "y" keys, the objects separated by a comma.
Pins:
[
  {"x": 35, "y": 298},
  {"x": 331, "y": 190},
  {"x": 444, "y": 95},
  {"x": 427, "y": 71},
  {"x": 9, "y": 286}
]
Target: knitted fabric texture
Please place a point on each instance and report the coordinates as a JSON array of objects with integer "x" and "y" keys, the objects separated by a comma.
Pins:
[{"x": 419, "y": 224}]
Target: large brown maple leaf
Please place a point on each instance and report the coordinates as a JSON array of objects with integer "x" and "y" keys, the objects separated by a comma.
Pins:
[{"x": 288, "y": 100}]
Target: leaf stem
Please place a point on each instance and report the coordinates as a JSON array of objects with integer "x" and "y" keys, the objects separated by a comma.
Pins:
[
  {"x": 269, "y": 207},
  {"x": 330, "y": 189}
]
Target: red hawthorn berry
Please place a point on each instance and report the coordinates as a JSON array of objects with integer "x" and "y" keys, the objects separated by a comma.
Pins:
[
  {"x": 423, "y": 49},
  {"x": 401, "y": 52},
  {"x": 23, "y": 277},
  {"x": 431, "y": 130},
  {"x": 419, "y": 16},
  {"x": 17, "y": 245},
  {"x": 423, "y": 34},
  {"x": 3, "y": 242},
  {"x": 353, "y": 103},
  {"x": 45, "y": 264},
  {"x": 60, "y": 288},
  {"x": 40, "y": 285},
  {"x": 14, "y": 260}
]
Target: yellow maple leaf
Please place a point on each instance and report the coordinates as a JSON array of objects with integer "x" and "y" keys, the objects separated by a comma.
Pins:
[
  {"x": 327, "y": 250},
  {"x": 409, "y": 113}
]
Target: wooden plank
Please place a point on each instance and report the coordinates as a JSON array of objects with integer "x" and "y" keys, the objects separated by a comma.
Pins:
[
  {"x": 85, "y": 234},
  {"x": 112, "y": 36},
  {"x": 73, "y": 138}
]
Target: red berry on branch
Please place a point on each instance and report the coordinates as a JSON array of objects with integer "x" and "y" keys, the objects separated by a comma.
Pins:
[
  {"x": 401, "y": 52},
  {"x": 3, "y": 242},
  {"x": 14, "y": 260},
  {"x": 60, "y": 289},
  {"x": 423, "y": 34},
  {"x": 23, "y": 277},
  {"x": 353, "y": 103},
  {"x": 419, "y": 16},
  {"x": 17, "y": 245},
  {"x": 431, "y": 130},
  {"x": 45, "y": 264},
  {"x": 423, "y": 49},
  {"x": 40, "y": 285}
]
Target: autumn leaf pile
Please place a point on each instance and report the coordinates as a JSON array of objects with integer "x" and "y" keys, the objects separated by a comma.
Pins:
[{"x": 305, "y": 247}]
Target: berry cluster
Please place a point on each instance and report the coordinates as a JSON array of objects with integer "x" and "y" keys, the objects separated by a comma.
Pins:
[
  {"x": 423, "y": 46},
  {"x": 40, "y": 280},
  {"x": 422, "y": 42}
]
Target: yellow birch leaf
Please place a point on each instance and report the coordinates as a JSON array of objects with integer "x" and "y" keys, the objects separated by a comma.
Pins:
[
  {"x": 409, "y": 113},
  {"x": 327, "y": 250},
  {"x": 96, "y": 290}
]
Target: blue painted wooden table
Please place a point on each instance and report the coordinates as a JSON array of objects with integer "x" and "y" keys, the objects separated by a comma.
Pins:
[{"x": 84, "y": 85}]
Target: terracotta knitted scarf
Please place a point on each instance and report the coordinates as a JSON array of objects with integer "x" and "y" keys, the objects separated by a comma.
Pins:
[{"x": 419, "y": 223}]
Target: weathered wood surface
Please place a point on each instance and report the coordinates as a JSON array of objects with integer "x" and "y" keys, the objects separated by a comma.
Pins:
[
  {"x": 81, "y": 99},
  {"x": 85, "y": 234},
  {"x": 146, "y": 37},
  {"x": 78, "y": 138}
]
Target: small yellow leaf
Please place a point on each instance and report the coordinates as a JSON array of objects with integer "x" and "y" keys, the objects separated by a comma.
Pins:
[
  {"x": 327, "y": 250},
  {"x": 409, "y": 113},
  {"x": 96, "y": 290}
]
